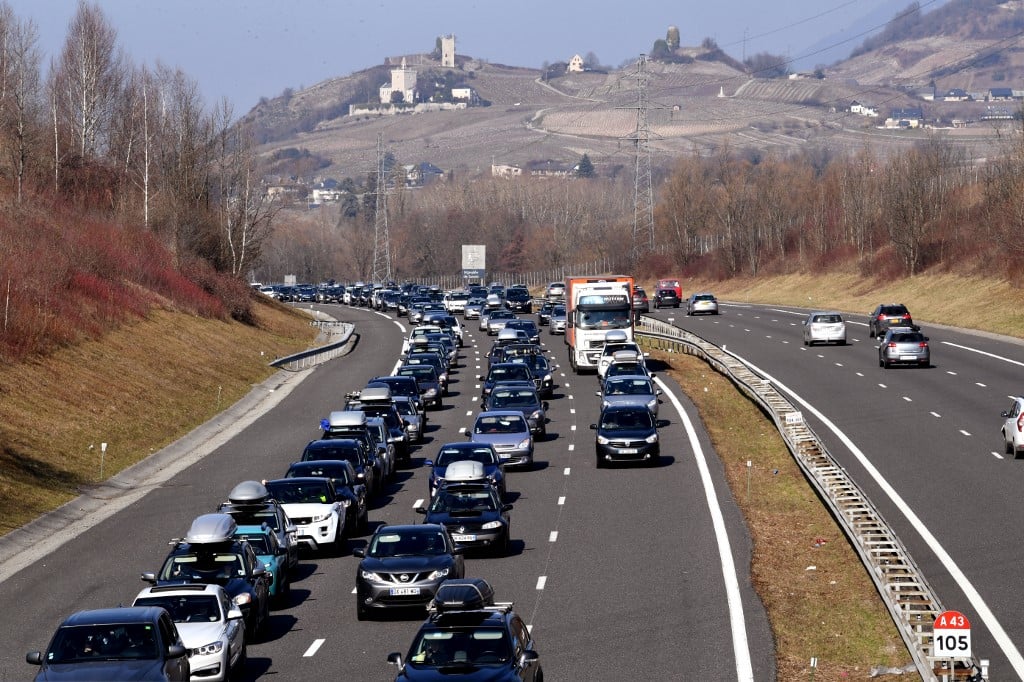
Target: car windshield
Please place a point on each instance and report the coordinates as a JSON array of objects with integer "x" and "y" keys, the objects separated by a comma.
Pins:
[
  {"x": 339, "y": 473},
  {"x": 305, "y": 492},
  {"x": 628, "y": 387},
  {"x": 604, "y": 319},
  {"x": 449, "y": 501},
  {"x": 623, "y": 420},
  {"x": 503, "y": 424},
  {"x": 203, "y": 566},
  {"x": 460, "y": 647},
  {"x": 507, "y": 398},
  {"x": 260, "y": 543},
  {"x": 255, "y": 518},
  {"x": 349, "y": 453},
  {"x": 449, "y": 455},
  {"x": 108, "y": 642},
  {"x": 421, "y": 372},
  {"x": 186, "y": 608},
  {"x": 521, "y": 373},
  {"x": 827, "y": 318},
  {"x": 408, "y": 543},
  {"x": 558, "y": 310}
]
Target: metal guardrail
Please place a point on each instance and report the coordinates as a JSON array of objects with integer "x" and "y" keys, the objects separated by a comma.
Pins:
[
  {"x": 339, "y": 335},
  {"x": 907, "y": 595}
]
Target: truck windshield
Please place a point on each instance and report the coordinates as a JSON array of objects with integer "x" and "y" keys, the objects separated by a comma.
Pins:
[{"x": 603, "y": 319}]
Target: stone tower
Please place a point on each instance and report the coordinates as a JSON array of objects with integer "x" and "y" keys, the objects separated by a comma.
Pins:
[{"x": 448, "y": 51}]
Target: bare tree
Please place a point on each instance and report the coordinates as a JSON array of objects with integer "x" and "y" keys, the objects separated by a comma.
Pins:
[
  {"x": 21, "y": 114},
  {"x": 89, "y": 74}
]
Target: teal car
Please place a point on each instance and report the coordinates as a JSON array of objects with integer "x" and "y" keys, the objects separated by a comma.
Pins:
[{"x": 272, "y": 555}]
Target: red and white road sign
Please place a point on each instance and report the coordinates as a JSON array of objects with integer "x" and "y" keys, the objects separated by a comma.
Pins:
[{"x": 951, "y": 636}]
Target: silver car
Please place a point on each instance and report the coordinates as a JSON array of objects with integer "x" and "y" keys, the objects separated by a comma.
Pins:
[
  {"x": 702, "y": 304},
  {"x": 497, "y": 320},
  {"x": 904, "y": 346},
  {"x": 824, "y": 327},
  {"x": 556, "y": 323},
  {"x": 1013, "y": 428},
  {"x": 508, "y": 432},
  {"x": 629, "y": 389},
  {"x": 411, "y": 416},
  {"x": 473, "y": 308}
]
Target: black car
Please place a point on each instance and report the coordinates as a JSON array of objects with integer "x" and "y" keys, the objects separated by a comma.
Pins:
[
  {"x": 402, "y": 567},
  {"x": 484, "y": 453},
  {"x": 517, "y": 299},
  {"x": 666, "y": 298},
  {"x": 400, "y": 385},
  {"x": 544, "y": 313},
  {"x": 641, "y": 304},
  {"x": 428, "y": 381},
  {"x": 435, "y": 360},
  {"x": 349, "y": 449},
  {"x": 346, "y": 484},
  {"x": 133, "y": 643},
  {"x": 626, "y": 433},
  {"x": 540, "y": 367},
  {"x": 528, "y": 326},
  {"x": 250, "y": 504},
  {"x": 888, "y": 315},
  {"x": 504, "y": 371},
  {"x": 469, "y": 636},
  {"x": 211, "y": 554},
  {"x": 473, "y": 513}
]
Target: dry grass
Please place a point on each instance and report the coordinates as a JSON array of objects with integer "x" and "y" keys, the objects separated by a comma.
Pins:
[
  {"x": 137, "y": 389},
  {"x": 831, "y": 611}
]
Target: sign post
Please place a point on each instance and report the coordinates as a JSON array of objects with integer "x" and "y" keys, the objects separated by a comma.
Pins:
[
  {"x": 474, "y": 261},
  {"x": 951, "y": 637}
]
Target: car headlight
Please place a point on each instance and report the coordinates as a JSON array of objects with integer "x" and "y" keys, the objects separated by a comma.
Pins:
[
  {"x": 345, "y": 504},
  {"x": 604, "y": 404},
  {"x": 525, "y": 443},
  {"x": 537, "y": 415},
  {"x": 601, "y": 440},
  {"x": 547, "y": 377},
  {"x": 321, "y": 517},
  {"x": 370, "y": 576},
  {"x": 207, "y": 649},
  {"x": 243, "y": 598},
  {"x": 653, "y": 438},
  {"x": 439, "y": 573},
  {"x": 491, "y": 525},
  {"x": 430, "y": 393},
  {"x": 651, "y": 404}
]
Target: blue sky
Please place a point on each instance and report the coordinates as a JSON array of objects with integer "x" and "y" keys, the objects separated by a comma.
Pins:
[{"x": 245, "y": 49}]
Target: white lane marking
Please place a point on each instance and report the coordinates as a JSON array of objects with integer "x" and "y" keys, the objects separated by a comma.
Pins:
[
  {"x": 566, "y": 471},
  {"x": 541, "y": 582},
  {"x": 767, "y": 336},
  {"x": 839, "y": 364},
  {"x": 417, "y": 503},
  {"x": 572, "y": 447},
  {"x": 572, "y": 410},
  {"x": 978, "y": 383},
  {"x": 469, "y": 413},
  {"x": 997, "y": 455},
  {"x": 570, "y": 397},
  {"x": 966, "y": 433},
  {"x": 882, "y": 386},
  {"x": 572, "y": 428},
  {"x": 313, "y": 648},
  {"x": 998, "y": 633},
  {"x": 399, "y": 325},
  {"x": 355, "y": 590},
  {"x": 908, "y": 399},
  {"x": 737, "y": 621},
  {"x": 567, "y": 384},
  {"x": 860, "y": 374},
  {"x": 981, "y": 352},
  {"x": 951, "y": 373},
  {"x": 394, "y": 370},
  {"x": 785, "y": 342},
  {"x": 561, "y": 500},
  {"x": 936, "y": 415},
  {"x": 820, "y": 355},
  {"x": 473, "y": 399},
  {"x": 553, "y": 536},
  {"x": 462, "y": 429}
]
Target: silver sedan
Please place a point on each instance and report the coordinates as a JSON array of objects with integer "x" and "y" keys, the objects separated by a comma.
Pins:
[{"x": 824, "y": 327}]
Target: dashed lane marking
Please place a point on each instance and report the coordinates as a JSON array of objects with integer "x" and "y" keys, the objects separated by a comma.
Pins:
[{"x": 313, "y": 648}]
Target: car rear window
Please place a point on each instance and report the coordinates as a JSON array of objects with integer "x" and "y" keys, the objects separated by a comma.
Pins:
[
  {"x": 894, "y": 310},
  {"x": 908, "y": 338}
]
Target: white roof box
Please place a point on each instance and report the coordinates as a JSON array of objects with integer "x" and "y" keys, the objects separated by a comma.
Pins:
[
  {"x": 626, "y": 356},
  {"x": 375, "y": 394},
  {"x": 464, "y": 470},
  {"x": 248, "y": 492},
  {"x": 211, "y": 528},
  {"x": 616, "y": 336},
  {"x": 347, "y": 418},
  {"x": 511, "y": 334}
]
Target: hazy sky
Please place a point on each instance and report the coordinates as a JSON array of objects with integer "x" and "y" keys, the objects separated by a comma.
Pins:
[{"x": 245, "y": 49}]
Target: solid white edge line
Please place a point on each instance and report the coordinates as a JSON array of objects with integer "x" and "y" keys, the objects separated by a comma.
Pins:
[
  {"x": 317, "y": 643},
  {"x": 981, "y": 352},
  {"x": 737, "y": 621},
  {"x": 998, "y": 633}
]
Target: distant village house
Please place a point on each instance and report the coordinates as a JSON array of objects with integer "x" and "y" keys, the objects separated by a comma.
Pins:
[{"x": 575, "y": 64}]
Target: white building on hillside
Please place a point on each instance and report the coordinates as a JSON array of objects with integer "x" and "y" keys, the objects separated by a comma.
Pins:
[
  {"x": 403, "y": 80},
  {"x": 448, "y": 51},
  {"x": 575, "y": 64}
]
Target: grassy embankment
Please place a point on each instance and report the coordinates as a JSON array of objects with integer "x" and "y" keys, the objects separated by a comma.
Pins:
[{"x": 137, "y": 388}]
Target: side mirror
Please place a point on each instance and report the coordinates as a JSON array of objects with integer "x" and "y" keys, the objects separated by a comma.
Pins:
[
  {"x": 546, "y": 406},
  {"x": 529, "y": 656},
  {"x": 657, "y": 391},
  {"x": 34, "y": 657},
  {"x": 597, "y": 393},
  {"x": 176, "y": 651},
  {"x": 259, "y": 571},
  {"x": 469, "y": 434},
  {"x": 148, "y": 577},
  {"x": 1004, "y": 415},
  {"x": 235, "y": 613},
  {"x": 593, "y": 426},
  {"x": 420, "y": 510},
  {"x": 359, "y": 552},
  {"x": 662, "y": 423},
  {"x": 395, "y": 658},
  {"x": 428, "y": 462},
  {"x": 506, "y": 507}
]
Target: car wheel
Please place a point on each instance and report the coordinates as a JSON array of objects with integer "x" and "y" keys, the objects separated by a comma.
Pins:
[
  {"x": 654, "y": 461},
  {"x": 238, "y": 671},
  {"x": 362, "y": 613},
  {"x": 871, "y": 332},
  {"x": 364, "y": 522},
  {"x": 600, "y": 462},
  {"x": 1007, "y": 446},
  {"x": 503, "y": 549}
]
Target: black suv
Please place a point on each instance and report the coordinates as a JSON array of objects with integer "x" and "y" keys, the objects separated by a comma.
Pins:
[
  {"x": 517, "y": 299},
  {"x": 888, "y": 315},
  {"x": 473, "y": 513},
  {"x": 469, "y": 635}
]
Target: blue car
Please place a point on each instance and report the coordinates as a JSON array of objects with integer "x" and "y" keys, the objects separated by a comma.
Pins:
[{"x": 272, "y": 555}]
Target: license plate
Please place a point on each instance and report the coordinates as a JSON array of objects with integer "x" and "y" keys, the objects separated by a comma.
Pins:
[
  {"x": 504, "y": 455},
  {"x": 629, "y": 451},
  {"x": 404, "y": 591},
  {"x": 908, "y": 357},
  {"x": 463, "y": 538}
]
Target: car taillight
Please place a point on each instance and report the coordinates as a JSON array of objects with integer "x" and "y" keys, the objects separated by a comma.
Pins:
[
  {"x": 881, "y": 316},
  {"x": 923, "y": 344},
  {"x": 906, "y": 316},
  {"x": 891, "y": 344},
  {"x": 1020, "y": 423}
]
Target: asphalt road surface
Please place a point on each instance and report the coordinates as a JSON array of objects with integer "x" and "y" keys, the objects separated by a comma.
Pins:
[{"x": 619, "y": 572}]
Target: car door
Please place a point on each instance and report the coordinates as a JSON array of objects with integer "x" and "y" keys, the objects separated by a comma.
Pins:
[{"x": 174, "y": 668}]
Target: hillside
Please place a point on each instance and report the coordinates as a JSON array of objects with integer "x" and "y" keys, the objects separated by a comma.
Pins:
[{"x": 703, "y": 104}]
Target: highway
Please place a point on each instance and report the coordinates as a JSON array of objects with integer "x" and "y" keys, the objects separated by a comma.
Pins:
[
  {"x": 923, "y": 443},
  {"x": 617, "y": 571}
]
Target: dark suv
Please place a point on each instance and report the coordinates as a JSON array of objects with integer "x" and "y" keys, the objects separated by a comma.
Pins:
[
  {"x": 518, "y": 300},
  {"x": 888, "y": 315},
  {"x": 469, "y": 635}
]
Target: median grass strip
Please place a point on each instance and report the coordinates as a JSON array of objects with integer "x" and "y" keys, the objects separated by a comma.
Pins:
[
  {"x": 136, "y": 389},
  {"x": 820, "y": 601}
]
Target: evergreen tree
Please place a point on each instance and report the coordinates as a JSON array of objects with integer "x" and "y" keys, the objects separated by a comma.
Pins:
[{"x": 585, "y": 169}]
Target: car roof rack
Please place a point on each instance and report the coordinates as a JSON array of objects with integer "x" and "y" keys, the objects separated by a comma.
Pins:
[{"x": 465, "y": 594}]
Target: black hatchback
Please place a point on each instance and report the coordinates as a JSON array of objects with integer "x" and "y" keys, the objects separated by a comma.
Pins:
[
  {"x": 626, "y": 433},
  {"x": 888, "y": 315}
]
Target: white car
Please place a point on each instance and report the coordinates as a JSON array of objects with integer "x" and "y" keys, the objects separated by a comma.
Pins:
[
  {"x": 614, "y": 341},
  {"x": 420, "y": 332},
  {"x": 210, "y": 624},
  {"x": 824, "y": 327},
  {"x": 455, "y": 302},
  {"x": 315, "y": 508},
  {"x": 1013, "y": 428}
]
